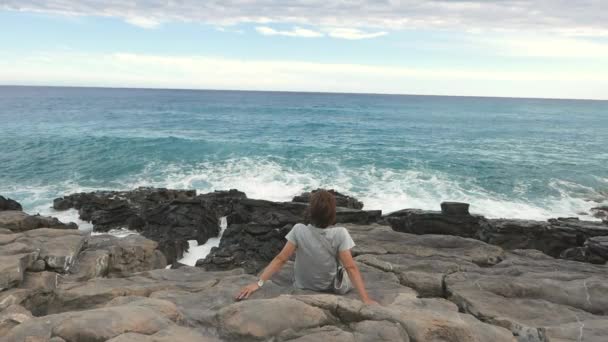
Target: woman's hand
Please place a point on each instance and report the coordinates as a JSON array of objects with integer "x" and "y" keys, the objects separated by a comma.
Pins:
[{"x": 247, "y": 291}]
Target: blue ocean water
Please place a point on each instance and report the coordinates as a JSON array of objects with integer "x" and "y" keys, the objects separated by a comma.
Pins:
[{"x": 526, "y": 158}]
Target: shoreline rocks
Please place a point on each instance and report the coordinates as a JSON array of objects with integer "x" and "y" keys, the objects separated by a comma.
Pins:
[
  {"x": 562, "y": 237},
  {"x": 432, "y": 284},
  {"x": 9, "y": 204}
]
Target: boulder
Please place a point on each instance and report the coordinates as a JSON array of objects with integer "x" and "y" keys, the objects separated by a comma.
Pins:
[
  {"x": 342, "y": 200},
  {"x": 379, "y": 331},
  {"x": 264, "y": 318},
  {"x": 18, "y": 221},
  {"x": 455, "y": 208},
  {"x": 12, "y": 268},
  {"x": 111, "y": 256},
  {"x": 9, "y": 204},
  {"x": 58, "y": 248}
]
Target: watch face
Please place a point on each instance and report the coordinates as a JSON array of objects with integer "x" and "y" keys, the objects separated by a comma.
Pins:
[{"x": 260, "y": 283}]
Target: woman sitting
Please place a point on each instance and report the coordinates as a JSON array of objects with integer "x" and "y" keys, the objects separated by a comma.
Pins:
[{"x": 322, "y": 254}]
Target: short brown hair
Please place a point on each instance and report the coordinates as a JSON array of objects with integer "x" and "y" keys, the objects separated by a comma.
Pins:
[{"x": 322, "y": 209}]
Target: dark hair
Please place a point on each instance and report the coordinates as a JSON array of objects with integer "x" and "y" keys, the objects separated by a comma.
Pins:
[{"x": 321, "y": 209}]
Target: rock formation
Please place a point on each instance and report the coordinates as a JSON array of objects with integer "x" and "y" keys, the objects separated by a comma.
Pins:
[
  {"x": 9, "y": 204},
  {"x": 562, "y": 237},
  {"x": 66, "y": 285}
]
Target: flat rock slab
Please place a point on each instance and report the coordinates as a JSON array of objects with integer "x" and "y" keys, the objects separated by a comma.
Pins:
[
  {"x": 18, "y": 221},
  {"x": 530, "y": 295},
  {"x": 146, "y": 317}
]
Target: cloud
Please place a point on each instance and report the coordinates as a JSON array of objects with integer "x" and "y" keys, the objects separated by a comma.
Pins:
[
  {"x": 341, "y": 33},
  {"x": 295, "y": 32},
  {"x": 353, "y": 33},
  {"x": 147, "y": 23},
  {"x": 580, "y": 17},
  {"x": 170, "y": 71}
]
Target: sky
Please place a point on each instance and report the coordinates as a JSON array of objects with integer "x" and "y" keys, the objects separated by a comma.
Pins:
[{"x": 511, "y": 48}]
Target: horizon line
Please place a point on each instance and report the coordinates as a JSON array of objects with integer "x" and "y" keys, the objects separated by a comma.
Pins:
[{"x": 300, "y": 92}]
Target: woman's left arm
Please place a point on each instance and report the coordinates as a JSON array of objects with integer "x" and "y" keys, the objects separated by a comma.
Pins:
[{"x": 275, "y": 265}]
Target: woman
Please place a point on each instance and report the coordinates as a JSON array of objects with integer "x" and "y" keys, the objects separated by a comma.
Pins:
[{"x": 316, "y": 246}]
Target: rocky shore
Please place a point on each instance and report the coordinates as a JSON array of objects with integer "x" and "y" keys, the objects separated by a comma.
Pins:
[{"x": 438, "y": 275}]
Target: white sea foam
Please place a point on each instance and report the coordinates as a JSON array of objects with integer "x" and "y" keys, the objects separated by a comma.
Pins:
[
  {"x": 378, "y": 188},
  {"x": 196, "y": 252}
]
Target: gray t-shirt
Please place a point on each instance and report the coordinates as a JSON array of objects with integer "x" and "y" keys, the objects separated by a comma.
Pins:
[{"x": 315, "y": 267}]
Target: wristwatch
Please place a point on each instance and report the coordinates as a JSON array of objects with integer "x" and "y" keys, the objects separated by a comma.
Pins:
[{"x": 260, "y": 283}]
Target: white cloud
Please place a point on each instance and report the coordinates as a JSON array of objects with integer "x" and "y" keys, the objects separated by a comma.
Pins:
[
  {"x": 166, "y": 71},
  {"x": 544, "y": 46},
  {"x": 341, "y": 33},
  {"x": 147, "y": 23},
  {"x": 580, "y": 17},
  {"x": 295, "y": 32},
  {"x": 353, "y": 33}
]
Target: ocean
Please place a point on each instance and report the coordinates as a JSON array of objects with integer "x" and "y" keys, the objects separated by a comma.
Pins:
[{"x": 517, "y": 158}]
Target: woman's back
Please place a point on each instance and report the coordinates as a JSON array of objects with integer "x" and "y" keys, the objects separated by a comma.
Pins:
[{"x": 316, "y": 259}]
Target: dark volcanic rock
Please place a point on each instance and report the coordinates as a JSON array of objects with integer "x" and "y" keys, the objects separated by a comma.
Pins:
[
  {"x": 455, "y": 208},
  {"x": 561, "y": 237},
  {"x": 417, "y": 221},
  {"x": 173, "y": 224},
  {"x": 9, "y": 204},
  {"x": 341, "y": 199},
  {"x": 248, "y": 246},
  {"x": 118, "y": 209},
  {"x": 170, "y": 217},
  {"x": 552, "y": 237},
  {"x": 600, "y": 212}
]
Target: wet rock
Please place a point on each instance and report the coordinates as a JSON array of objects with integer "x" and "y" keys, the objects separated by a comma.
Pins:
[
  {"x": 177, "y": 222},
  {"x": 117, "y": 209},
  {"x": 169, "y": 217},
  {"x": 248, "y": 246},
  {"x": 18, "y": 221},
  {"x": 600, "y": 212},
  {"x": 552, "y": 237},
  {"x": 9, "y": 204},
  {"x": 597, "y": 248},
  {"x": 415, "y": 221},
  {"x": 342, "y": 200},
  {"x": 455, "y": 208}
]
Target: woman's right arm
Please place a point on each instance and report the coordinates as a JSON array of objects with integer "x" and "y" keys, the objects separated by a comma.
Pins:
[{"x": 346, "y": 258}]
